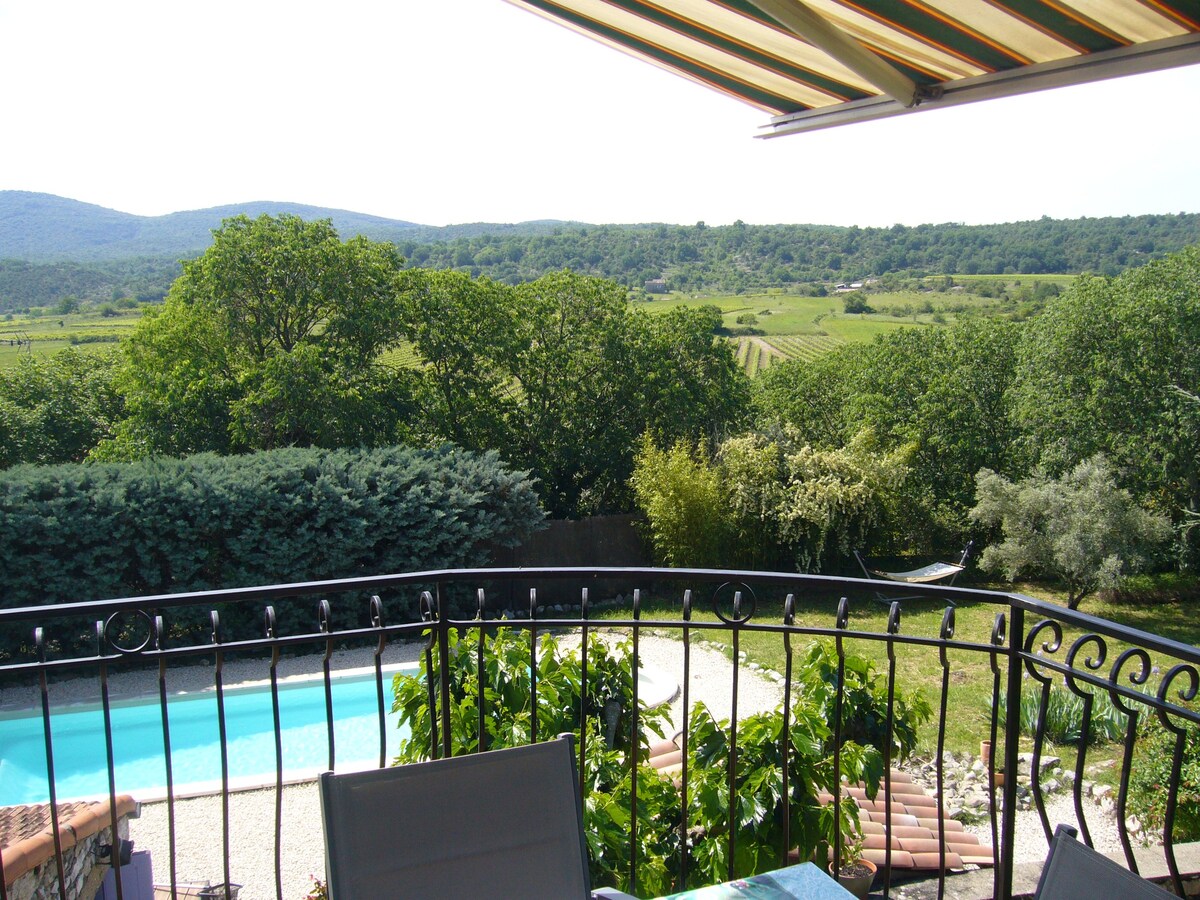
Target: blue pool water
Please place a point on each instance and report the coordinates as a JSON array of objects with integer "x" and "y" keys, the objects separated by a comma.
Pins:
[{"x": 80, "y": 759}]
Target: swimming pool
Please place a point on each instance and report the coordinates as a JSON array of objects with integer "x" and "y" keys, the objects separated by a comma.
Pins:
[{"x": 80, "y": 758}]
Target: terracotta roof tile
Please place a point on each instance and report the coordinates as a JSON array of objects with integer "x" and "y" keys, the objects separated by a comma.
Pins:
[
  {"x": 913, "y": 822},
  {"x": 27, "y": 835}
]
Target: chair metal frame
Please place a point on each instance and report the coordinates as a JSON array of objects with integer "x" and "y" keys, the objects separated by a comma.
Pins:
[
  {"x": 498, "y": 824},
  {"x": 1074, "y": 871}
]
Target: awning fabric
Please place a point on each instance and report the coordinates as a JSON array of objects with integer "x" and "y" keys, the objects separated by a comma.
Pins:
[{"x": 817, "y": 63}]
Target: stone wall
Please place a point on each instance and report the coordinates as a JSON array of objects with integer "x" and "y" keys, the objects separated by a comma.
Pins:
[{"x": 30, "y": 871}]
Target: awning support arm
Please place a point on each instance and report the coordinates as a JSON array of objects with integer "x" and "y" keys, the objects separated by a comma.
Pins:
[{"x": 820, "y": 32}]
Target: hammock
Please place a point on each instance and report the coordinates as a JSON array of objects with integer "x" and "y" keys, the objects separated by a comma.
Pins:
[
  {"x": 924, "y": 575},
  {"x": 930, "y": 574}
]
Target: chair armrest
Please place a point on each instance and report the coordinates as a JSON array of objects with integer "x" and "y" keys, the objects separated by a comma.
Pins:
[{"x": 611, "y": 894}]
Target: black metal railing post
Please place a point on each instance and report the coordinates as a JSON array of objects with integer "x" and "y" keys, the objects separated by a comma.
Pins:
[
  {"x": 160, "y": 632},
  {"x": 481, "y": 739},
  {"x": 1012, "y": 732},
  {"x": 785, "y": 743},
  {"x": 427, "y": 616},
  {"x": 946, "y": 634},
  {"x": 841, "y": 624},
  {"x": 893, "y": 629},
  {"x": 533, "y": 667},
  {"x": 1187, "y": 694},
  {"x": 683, "y": 740},
  {"x": 324, "y": 624},
  {"x": 443, "y": 639},
  {"x": 999, "y": 630},
  {"x": 376, "y": 615},
  {"x": 40, "y": 641},
  {"x": 219, "y": 679},
  {"x": 635, "y": 744},
  {"x": 269, "y": 628}
]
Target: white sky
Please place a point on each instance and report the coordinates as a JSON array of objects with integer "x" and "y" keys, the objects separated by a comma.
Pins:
[{"x": 453, "y": 111}]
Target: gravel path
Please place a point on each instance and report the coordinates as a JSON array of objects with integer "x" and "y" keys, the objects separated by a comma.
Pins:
[{"x": 198, "y": 827}]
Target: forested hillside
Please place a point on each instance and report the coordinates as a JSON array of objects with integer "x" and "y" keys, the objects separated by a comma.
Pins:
[
  {"x": 740, "y": 257},
  {"x": 51, "y": 248}
]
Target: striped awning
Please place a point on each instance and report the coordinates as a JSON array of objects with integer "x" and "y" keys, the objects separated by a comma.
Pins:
[{"x": 817, "y": 63}]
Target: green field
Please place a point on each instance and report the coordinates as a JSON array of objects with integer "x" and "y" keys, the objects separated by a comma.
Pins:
[
  {"x": 785, "y": 326},
  {"x": 1063, "y": 281},
  {"x": 46, "y": 335},
  {"x": 788, "y": 326}
]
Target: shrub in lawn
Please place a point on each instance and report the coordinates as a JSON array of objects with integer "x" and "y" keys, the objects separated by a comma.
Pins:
[
  {"x": 1064, "y": 716},
  {"x": 1150, "y": 776}
]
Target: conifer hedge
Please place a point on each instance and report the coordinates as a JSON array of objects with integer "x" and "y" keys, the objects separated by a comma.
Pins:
[{"x": 95, "y": 531}]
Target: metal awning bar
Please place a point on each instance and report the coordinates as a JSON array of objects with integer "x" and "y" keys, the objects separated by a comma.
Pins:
[
  {"x": 1137, "y": 59},
  {"x": 818, "y": 31}
]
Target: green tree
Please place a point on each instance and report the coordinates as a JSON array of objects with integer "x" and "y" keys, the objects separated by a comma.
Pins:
[
  {"x": 463, "y": 330},
  {"x": 56, "y": 409},
  {"x": 564, "y": 377},
  {"x": 856, "y": 302},
  {"x": 811, "y": 396},
  {"x": 942, "y": 392},
  {"x": 1081, "y": 528},
  {"x": 945, "y": 392},
  {"x": 271, "y": 338},
  {"x": 1108, "y": 367}
]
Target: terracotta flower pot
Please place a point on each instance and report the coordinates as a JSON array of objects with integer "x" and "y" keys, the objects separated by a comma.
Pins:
[{"x": 856, "y": 877}]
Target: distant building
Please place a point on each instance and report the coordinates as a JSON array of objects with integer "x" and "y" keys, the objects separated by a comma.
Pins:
[
  {"x": 656, "y": 286},
  {"x": 847, "y": 288}
]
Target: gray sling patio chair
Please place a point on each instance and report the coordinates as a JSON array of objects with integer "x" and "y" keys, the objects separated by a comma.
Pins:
[
  {"x": 501, "y": 824},
  {"x": 934, "y": 573},
  {"x": 1074, "y": 871}
]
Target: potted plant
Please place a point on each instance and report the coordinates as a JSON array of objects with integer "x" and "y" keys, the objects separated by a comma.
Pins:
[{"x": 853, "y": 872}]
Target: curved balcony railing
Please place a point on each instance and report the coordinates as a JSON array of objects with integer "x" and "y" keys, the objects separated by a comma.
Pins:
[{"x": 1147, "y": 679}]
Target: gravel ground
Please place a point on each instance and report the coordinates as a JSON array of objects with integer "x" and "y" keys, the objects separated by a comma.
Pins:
[
  {"x": 1030, "y": 843},
  {"x": 252, "y": 812}
]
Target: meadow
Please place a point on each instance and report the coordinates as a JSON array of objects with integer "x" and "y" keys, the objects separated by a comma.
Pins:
[
  {"x": 791, "y": 326},
  {"x": 89, "y": 330},
  {"x": 784, "y": 327}
]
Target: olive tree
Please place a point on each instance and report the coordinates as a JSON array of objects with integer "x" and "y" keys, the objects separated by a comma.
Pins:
[{"x": 1079, "y": 528}]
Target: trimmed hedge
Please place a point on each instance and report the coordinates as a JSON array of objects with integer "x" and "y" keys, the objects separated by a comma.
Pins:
[{"x": 90, "y": 532}]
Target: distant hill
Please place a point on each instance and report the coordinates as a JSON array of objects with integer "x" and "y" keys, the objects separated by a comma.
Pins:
[
  {"x": 52, "y": 248},
  {"x": 42, "y": 228}
]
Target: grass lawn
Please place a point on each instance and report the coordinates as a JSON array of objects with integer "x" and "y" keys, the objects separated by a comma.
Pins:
[{"x": 970, "y": 679}]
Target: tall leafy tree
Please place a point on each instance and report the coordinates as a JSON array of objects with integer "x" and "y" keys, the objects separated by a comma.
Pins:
[
  {"x": 1109, "y": 368},
  {"x": 271, "y": 338},
  {"x": 464, "y": 331},
  {"x": 563, "y": 377},
  {"x": 943, "y": 393}
]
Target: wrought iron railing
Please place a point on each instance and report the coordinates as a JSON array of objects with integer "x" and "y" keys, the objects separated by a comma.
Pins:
[{"x": 1147, "y": 678}]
